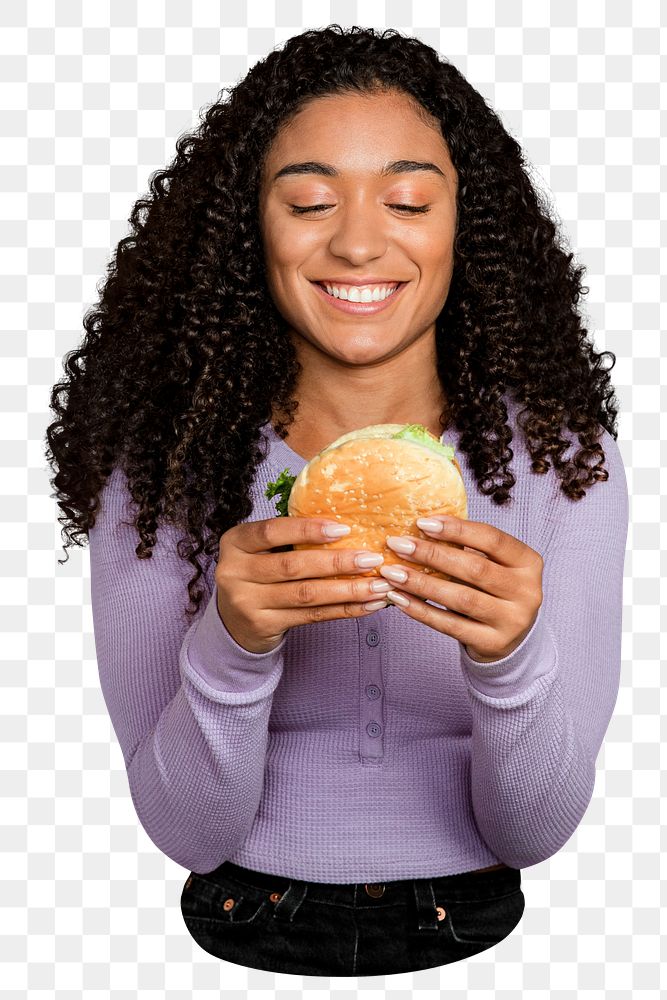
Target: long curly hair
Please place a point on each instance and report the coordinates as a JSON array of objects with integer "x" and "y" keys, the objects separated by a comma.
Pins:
[{"x": 186, "y": 356}]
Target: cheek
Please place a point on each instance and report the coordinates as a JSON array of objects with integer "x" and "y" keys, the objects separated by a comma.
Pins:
[
  {"x": 285, "y": 247},
  {"x": 433, "y": 243},
  {"x": 440, "y": 248},
  {"x": 276, "y": 240},
  {"x": 434, "y": 251}
]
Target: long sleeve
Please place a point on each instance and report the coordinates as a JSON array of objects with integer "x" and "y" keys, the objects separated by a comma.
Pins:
[
  {"x": 189, "y": 706},
  {"x": 541, "y": 713}
]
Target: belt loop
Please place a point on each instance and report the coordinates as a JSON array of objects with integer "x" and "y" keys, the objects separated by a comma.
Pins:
[
  {"x": 426, "y": 905},
  {"x": 291, "y": 900}
]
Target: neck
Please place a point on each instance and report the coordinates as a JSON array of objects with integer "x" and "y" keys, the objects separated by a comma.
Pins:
[{"x": 335, "y": 399}]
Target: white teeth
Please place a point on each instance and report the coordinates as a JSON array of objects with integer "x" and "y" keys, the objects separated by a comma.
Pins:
[{"x": 357, "y": 293}]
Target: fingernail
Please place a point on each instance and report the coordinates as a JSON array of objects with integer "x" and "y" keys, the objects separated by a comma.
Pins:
[
  {"x": 398, "y": 599},
  {"x": 375, "y": 605},
  {"x": 366, "y": 559},
  {"x": 336, "y": 530},
  {"x": 394, "y": 574},
  {"x": 429, "y": 524},
  {"x": 402, "y": 545}
]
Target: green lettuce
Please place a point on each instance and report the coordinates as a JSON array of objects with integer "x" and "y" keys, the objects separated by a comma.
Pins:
[
  {"x": 281, "y": 487},
  {"x": 419, "y": 434}
]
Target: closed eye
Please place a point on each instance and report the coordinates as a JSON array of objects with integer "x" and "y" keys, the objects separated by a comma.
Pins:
[{"x": 302, "y": 209}]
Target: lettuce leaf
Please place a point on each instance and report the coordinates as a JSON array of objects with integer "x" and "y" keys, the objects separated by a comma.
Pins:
[
  {"x": 282, "y": 487},
  {"x": 419, "y": 434}
]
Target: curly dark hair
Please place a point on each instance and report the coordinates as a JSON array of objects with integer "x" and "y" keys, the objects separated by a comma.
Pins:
[{"x": 186, "y": 356}]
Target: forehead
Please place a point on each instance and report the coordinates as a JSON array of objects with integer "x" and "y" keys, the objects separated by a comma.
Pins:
[{"x": 359, "y": 133}]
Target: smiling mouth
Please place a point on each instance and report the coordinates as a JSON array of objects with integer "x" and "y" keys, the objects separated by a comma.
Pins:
[
  {"x": 361, "y": 306},
  {"x": 360, "y": 293}
]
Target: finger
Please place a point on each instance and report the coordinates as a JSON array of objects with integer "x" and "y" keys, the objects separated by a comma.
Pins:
[
  {"x": 271, "y": 532},
  {"x": 466, "y": 631},
  {"x": 310, "y": 593},
  {"x": 498, "y": 545},
  {"x": 457, "y": 597},
  {"x": 331, "y": 612},
  {"x": 303, "y": 564},
  {"x": 467, "y": 567}
]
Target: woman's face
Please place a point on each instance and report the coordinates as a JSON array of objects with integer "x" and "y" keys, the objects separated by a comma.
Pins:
[{"x": 357, "y": 230}]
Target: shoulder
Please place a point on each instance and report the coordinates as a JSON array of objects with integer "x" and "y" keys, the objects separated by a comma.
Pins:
[
  {"x": 603, "y": 510},
  {"x": 114, "y": 535},
  {"x": 114, "y": 499},
  {"x": 540, "y": 501},
  {"x": 613, "y": 459}
]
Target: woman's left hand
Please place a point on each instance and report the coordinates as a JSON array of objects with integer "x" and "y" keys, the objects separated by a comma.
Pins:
[{"x": 497, "y": 594}]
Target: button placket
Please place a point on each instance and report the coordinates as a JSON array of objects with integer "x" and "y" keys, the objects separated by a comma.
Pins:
[{"x": 371, "y": 700}]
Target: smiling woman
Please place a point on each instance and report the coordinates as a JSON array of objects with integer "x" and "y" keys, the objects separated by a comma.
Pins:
[
  {"x": 358, "y": 239},
  {"x": 348, "y": 238}
]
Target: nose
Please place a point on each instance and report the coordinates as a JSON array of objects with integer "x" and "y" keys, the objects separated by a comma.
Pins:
[{"x": 358, "y": 235}]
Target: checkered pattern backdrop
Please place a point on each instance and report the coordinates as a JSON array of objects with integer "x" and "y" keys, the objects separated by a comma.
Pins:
[{"x": 93, "y": 97}]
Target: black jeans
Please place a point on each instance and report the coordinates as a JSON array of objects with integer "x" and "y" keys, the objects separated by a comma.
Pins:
[{"x": 282, "y": 924}]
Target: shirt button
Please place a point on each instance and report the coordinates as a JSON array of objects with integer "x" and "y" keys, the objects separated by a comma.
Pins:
[
  {"x": 372, "y": 637},
  {"x": 373, "y": 691},
  {"x": 373, "y": 728}
]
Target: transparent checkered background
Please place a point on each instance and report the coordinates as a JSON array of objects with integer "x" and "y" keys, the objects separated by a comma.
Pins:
[{"x": 93, "y": 97}]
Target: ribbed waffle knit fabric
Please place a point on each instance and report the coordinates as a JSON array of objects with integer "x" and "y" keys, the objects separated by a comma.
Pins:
[{"x": 373, "y": 748}]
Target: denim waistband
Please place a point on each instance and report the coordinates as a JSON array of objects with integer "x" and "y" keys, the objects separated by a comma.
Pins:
[{"x": 462, "y": 886}]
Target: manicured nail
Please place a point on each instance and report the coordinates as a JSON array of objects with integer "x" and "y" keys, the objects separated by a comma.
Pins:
[
  {"x": 336, "y": 530},
  {"x": 398, "y": 599},
  {"x": 394, "y": 573},
  {"x": 366, "y": 559},
  {"x": 375, "y": 605},
  {"x": 402, "y": 545},
  {"x": 429, "y": 524}
]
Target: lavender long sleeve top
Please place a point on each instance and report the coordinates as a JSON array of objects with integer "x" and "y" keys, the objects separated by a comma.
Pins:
[{"x": 364, "y": 749}]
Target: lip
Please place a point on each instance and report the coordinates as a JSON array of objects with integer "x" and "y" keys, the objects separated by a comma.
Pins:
[
  {"x": 372, "y": 279},
  {"x": 359, "y": 308}
]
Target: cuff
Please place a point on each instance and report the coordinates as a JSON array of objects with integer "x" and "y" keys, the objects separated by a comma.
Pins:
[
  {"x": 534, "y": 657},
  {"x": 215, "y": 662}
]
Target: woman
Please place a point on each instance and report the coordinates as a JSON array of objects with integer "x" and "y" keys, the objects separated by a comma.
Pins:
[{"x": 353, "y": 780}]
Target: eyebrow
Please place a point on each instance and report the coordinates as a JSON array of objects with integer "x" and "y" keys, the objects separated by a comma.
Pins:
[{"x": 395, "y": 167}]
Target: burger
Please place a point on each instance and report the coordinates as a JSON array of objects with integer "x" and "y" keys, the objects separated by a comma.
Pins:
[{"x": 379, "y": 480}]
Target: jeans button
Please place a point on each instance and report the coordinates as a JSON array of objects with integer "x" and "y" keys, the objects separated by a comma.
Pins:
[{"x": 374, "y": 889}]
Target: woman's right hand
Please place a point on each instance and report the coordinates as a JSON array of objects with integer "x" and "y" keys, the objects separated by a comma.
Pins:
[{"x": 261, "y": 594}]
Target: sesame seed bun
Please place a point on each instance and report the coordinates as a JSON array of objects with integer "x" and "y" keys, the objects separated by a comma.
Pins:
[{"x": 379, "y": 485}]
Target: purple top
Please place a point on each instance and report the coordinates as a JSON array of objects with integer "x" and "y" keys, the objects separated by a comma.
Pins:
[{"x": 369, "y": 749}]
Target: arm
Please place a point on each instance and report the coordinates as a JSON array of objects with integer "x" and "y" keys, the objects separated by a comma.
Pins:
[
  {"x": 189, "y": 706},
  {"x": 540, "y": 714}
]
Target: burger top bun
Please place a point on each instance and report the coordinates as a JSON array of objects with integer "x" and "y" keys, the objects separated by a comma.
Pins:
[{"x": 379, "y": 485}]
